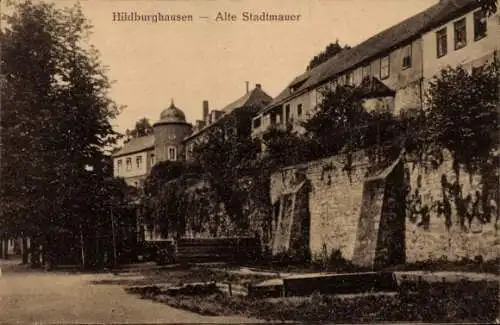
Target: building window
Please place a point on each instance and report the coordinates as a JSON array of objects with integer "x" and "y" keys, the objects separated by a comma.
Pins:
[
  {"x": 172, "y": 153},
  {"x": 256, "y": 123},
  {"x": 172, "y": 136},
  {"x": 287, "y": 113},
  {"x": 128, "y": 164},
  {"x": 480, "y": 27},
  {"x": 384, "y": 67},
  {"x": 119, "y": 165},
  {"x": 138, "y": 162},
  {"x": 152, "y": 159},
  {"x": 460, "y": 34},
  {"x": 407, "y": 57},
  {"x": 349, "y": 79},
  {"x": 366, "y": 71},
  {"x": 299, "y": 110},
  {"x": 273, "y": 118},
  {"x": 442, "y": 42}
]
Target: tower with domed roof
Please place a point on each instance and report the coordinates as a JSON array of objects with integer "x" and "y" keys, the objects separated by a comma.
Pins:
[{"x": 169, "y": 131}]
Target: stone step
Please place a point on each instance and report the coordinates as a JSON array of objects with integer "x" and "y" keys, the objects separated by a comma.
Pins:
[
  {"x": 347, "y": 283},
  {"x": 267, "y": 289}
]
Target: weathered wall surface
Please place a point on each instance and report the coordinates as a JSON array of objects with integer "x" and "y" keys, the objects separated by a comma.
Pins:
[
  {"x": 435, "y": 225},
  {"x": 335, "y": 203},
  {"x": 205, "y": 216}
]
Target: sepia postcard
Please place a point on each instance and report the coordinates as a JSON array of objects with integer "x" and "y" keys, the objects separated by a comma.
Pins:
[{"x": 249, "y": 161}]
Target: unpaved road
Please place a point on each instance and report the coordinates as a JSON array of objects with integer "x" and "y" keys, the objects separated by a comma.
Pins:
[{"x": 32, "y": 296}]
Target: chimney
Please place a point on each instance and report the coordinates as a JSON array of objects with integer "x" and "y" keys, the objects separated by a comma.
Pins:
[
  {"x": 200, "y": 125},
  {"x": 205, "y": 110},
  {"x": 247, "y": 83},
  {"x": 258, "y": 86}
]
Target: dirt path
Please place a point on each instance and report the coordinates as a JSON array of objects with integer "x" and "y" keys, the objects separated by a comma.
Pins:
[{"x": 29, "y": 296}]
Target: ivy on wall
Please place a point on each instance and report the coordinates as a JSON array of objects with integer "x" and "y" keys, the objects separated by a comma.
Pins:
[{"x": 460, "y": 118}]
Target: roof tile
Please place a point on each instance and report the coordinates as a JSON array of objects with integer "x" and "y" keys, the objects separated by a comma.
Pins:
[
  {"x": 374, "y": 46},
  {"x": 136, "y": 145}
]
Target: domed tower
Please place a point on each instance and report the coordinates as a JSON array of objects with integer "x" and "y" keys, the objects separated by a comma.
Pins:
[{"x": 169, "y": 132}]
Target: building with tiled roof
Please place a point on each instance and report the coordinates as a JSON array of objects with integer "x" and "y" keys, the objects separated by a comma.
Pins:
[
  {"x": 252, "y": 102},
  {"x": 172, "y": 135},
  {"x": 135, "y": 159},
  {"x": 402, "y": 58}
]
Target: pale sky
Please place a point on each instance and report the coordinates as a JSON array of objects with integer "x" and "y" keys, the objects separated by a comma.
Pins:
[{"x": 206, "y": 60}]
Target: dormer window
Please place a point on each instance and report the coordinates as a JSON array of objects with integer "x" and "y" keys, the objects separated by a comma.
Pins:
[{"x": 293, "y": 88}]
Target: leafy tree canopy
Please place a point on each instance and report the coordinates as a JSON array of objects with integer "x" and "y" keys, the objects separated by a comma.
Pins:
[
  {"x": 330, "y": 51},
  {"x": 489, "y": 6},
  {"x": 462, "y": 114},
  {"x": 55, "y": 121},
  {"x": 142, "y": 128}
]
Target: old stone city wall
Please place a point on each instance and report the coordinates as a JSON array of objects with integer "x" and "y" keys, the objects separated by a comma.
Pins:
[{"x": 434, "y": 228}]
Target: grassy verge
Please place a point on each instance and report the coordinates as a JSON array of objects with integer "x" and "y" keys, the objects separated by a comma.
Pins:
[
  {"x": 464, "y": 265},
  {"x": 336, "y": 263},
  {"x": 183, "y": 275},
  {"x": 437, "y": 302}
]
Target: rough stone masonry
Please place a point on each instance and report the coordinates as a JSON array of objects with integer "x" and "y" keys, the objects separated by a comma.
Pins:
[{"x": 443, "y": 218}]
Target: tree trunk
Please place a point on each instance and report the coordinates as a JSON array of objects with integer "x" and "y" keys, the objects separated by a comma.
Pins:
[
  {"x": 35, "y": 253},
  {"x": 24, "y": 250},
  {"x": 47, "y": 253},
  {"x": 113, "y": 237},
  {"x": 82, "y": 248},
  {"x": 6, "y": 248},
  {"x": 2, "y": 244}
]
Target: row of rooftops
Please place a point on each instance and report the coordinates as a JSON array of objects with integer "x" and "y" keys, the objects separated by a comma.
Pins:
[
  {"x": 349, "y": 59},
  {"x": 256, "y": 97},
  {"x": 377, "y": 45}
]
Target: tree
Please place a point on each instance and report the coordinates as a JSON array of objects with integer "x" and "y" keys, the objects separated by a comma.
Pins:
[
  {"x": 166, "y": 200},
  {"x": 339, "y": 122},
  {"x": 286, "y": 147},
  {"x": 330, "y": 51},
  {"x": 55, "y": 122},
  {"x": 142, "y": 128},
  {"x": 226, "y": 157},
  {"x": 489, "y": 6},
  {"x": 462, "y": 115}
]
